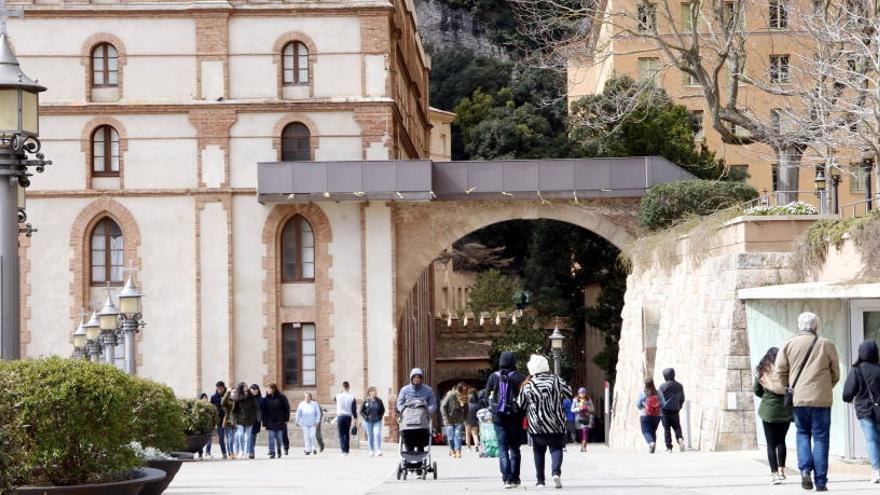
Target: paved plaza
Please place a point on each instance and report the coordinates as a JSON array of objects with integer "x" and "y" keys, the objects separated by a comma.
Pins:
[{"x": 601, "y": 470}]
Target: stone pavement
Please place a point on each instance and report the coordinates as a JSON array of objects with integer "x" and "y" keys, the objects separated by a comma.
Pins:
[{"x": 601, "y": 470}]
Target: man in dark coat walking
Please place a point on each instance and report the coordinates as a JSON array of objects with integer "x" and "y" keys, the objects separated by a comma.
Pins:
[{"x": 672, "y": 397}]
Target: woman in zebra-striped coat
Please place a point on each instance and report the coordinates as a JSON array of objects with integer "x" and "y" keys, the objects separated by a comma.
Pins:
[{"x": 541, "y": 397}]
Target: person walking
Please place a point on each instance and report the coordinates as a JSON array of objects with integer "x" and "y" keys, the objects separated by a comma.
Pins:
[
  {"x": 244, "y": 413},
  {"x": 809, "y": 366},
  {"x": 275, "y": 415},
  {"x": 206, "y": 449},
  {"x": 417, "y": 440},
  {"x": 227, "y": 402},
  {"x": 862, "y": 389},
  {"x": 570, "y": 418},
  {"x": 372, "y": 412},
  {"x": 541, "y": 397},
  {"x": 471, "y": 422},
  {"x": 346, "y": 410},
  {"x": 308, "y": 416},
  {"x": 582, "y": 406},
  {"x": 503, "y": 389},
  {"x": 672, "y": 394},
  {"x": 255, "y": 428},
  {"x": 453, "y": 410},
  {"x": 217, "y": 401},
  {"x": 318, "y": 436},
  {"x": 775, "y": 415},
  {"x": 650, "y": 406}
]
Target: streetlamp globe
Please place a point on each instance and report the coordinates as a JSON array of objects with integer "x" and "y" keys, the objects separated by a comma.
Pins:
[
  {"x": 80, "y": 337},
  {"x": 556, "y": 339},
  {"x": 19, "y": 96},
  {"x": 108, "y": 316},
  {"x": 130, "y": 299},
  {"x": 92, "y": 327}
]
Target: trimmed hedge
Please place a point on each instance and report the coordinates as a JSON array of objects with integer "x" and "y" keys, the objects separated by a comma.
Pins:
[
  {"x": 665, "y": 204},
  {"x": 12, "y": 439},
  {"x": 158, "y": 416},
  {"x": 199, "y": 417}
]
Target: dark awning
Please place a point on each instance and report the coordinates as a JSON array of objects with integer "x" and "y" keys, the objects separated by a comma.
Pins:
[{"x": 424, "y": 180}]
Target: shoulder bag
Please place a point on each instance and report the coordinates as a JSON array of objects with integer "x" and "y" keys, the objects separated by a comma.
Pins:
[
  {"x": 875, "y": 407},
  {"x": 788, "y": 398}
]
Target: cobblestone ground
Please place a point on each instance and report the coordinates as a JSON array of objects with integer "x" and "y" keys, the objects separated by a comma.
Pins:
[{"x": 600, "y": 470}]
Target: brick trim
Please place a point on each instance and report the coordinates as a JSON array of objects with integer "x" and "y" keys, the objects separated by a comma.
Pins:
[
  {"x": 212, "y": 44},
  {"x": 24, "y": 243},
  {"x": 86, "y": 146},
  {"x": 86, "y": 59},
  {"x": 275, "y": 315},
  {"x": 377, "y": 125},
  {"x": 314, "y": 137},
  {"x": 280, "y": 43},
  {"x": 212, "y": 128}
]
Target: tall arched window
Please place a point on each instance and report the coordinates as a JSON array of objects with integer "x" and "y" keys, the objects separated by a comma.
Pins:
[
  {"x": 105, "y": 65},
  {"x": 106, "y": 253},
  {"x": 297, "y": 251},
  {"x": 296, "y": 143},
  {"x": 295, "y": 63},
  {"x": 105, "y": 151}
]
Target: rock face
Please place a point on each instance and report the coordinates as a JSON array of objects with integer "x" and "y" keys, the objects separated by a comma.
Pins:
[
  {"x": 691, "y": 316},
  {"x": 442, "y": 27}
]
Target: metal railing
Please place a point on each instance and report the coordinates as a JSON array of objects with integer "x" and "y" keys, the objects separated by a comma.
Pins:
[
  {"x": 776, "y": 198},
  {"x": 858, "y": 208}
]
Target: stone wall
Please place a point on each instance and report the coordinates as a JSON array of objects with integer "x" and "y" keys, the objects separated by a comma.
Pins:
[
  {"x": 699, "y": 324},
  {"x": 442, "y": 27}
]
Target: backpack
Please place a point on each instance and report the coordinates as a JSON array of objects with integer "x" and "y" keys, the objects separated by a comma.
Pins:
[
  {"x": 652, "y": 405},
  {"x": 502, "y": 400}
]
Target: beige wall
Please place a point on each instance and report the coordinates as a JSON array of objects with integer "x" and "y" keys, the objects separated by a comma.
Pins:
[
  {"x": 452, "y": 289},
  {"x": 441, "y": 135}
]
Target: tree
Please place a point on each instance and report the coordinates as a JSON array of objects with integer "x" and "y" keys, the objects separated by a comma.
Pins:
[
  {"x": 652, "y": 126},
  {"x": 493, "y": 292},
  {"x": 456, "y": 74}
]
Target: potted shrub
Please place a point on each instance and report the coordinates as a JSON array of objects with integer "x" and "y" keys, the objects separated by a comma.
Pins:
[
  {"x": 78, "y": 416},
  {"x": 199, "y": 419},
  {"x": 158, "y": 428},
  {"x": 12, "y": 439}
]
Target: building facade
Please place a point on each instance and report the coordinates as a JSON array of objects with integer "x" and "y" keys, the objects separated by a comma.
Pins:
[
  {"x": 156, "y": 116},
  {"x": 773, "y": 43}
]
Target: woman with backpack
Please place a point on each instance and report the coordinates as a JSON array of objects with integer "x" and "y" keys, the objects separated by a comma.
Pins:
[
  {"x": 582, "y": 407},
  {"x": 650, "y": 403},
  {"x": 775, "y": 415},
  {"x": 862, "y": 388}
]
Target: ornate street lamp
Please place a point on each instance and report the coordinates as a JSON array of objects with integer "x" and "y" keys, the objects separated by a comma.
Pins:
[
  {"x": 556, "y": 341},
  {"x": 79, "y": 341},
  {"x": 132, "y": 320},
  {"x": 821, "y": 189},
  {"x": 19, "y": 127},
  {"x": 92, "y": 347},
  {"x": 109, "y": 322}
]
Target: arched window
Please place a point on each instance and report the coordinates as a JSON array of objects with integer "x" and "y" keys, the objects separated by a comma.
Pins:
[
  {"x": 105, "y": 151},
  {"x": 296, "y": 143},
  {"x": 106, "y": 253},
  {"x": 297, "y": 251},
  {"x": 105, "y": 66},
  {"x": 295, "y": 63}
]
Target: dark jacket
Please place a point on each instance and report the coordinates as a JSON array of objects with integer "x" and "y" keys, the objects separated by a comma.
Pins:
[
  {"x": 772, "y": 408},
  {"x": 217, "y": 400},
  {"x": 865, "y": 375},
  {"x": 372, "y": 410},
  {"x": 244, "y": 411},
  {"x": 275, "y": 411},
  {"x": 672, "y": 392},
  {"x": 473, "y": 406},
  {"x": 452, "y": 410},
  {"x": 506, "y": 366}
]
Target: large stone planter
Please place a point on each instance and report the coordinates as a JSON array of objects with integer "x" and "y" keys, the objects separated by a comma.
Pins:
[
  {"x": 125, "y": 487},
  {"x": 195, "y": 443},
  {"x": 170, "y": 467}
]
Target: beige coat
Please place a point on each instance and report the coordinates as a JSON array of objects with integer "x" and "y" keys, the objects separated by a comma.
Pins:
[{"x": 821, "y": 372}]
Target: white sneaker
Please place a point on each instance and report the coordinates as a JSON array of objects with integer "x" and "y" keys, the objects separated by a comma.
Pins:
[
  {"x": 774, "y": 479},
  {"x": 875, "y": 476},
  {"x": 373, "y": 454},
  {"x": 378, "y": 453},
  {"x": 557, "y": 481}
]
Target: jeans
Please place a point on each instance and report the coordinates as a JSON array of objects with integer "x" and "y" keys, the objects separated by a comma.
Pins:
[
  {"x": 509, "y": 434},
  {"x": 309, "y": 439},
  {"x": 230, "y": 439},
  {"x": 221, "y": 439},
  {"x": 343, "y": 424},
  {"x": 374, "y": 434},
  {"x": 540, "y": 443},
  {"x": 671, "y": 421},
  {"x": 285, "y": 438},
  {"x": 453, "y": 436},
  {"x": 872, "y": 440},
  {"x": 242, "y": 435},
  {"x": 813, "y": 423},
  {"x": 275, "y": 439},
  {"x": 776, "y": 451},
  {"x": 649, "y": 428},
  {"x": 252, "y": 445}
]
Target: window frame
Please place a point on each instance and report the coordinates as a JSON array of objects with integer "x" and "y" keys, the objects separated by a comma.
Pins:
[
  {"x": 777, "y": 18},
  {"x": 686, "y": 17},
  {"x": 296, "y": 222},
  {"x": 857, "y": 178},
  {"x": 700, "y": 133},
  {"x": 107, "y": 160},
  {"x": 307, "y": 139},
  {"x": 780, "y": 73},
  {"x": 647, "y": 17},
  {"x": 108, "y": 254},
  {"x": 105, "y": 61},
  {"x": 297, "y": 329},
  {"x": 652, "y": 69},
  {"x": 296, "y": 46},
  {"x": 730, "y": 10}
]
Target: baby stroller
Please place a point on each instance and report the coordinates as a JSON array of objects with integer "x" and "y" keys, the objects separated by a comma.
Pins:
[
  {"x": 415, "y": 441},
  {"x": 488, "y": 440}
]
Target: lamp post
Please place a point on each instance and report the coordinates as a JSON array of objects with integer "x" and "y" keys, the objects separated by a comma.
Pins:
[
  {"x": 79, "y": 341},
  {"x": 821, "y": 189},
  {"x": 19, "y": 128},
  {"x": 132, "y": 320},
  {"x": 835, "y": 193},
  {"x": 108, "y": 318},
  {"x": 92, "y": 348},
  {"x": 556, "y": 340}
]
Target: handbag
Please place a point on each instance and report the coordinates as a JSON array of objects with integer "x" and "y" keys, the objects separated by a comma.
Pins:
[
  {"x": 788, "y": 398},
  {"x": 354, "y": 431},
  {"x": 875, "y": 406}
]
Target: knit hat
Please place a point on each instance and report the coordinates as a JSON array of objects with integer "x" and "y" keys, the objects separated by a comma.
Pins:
[
  {"x": 582, "y": 390},
  {"x": 538, "y": 364}
]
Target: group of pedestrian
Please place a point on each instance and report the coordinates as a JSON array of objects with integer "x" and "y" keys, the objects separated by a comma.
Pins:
[{"x": 664, "y": 406}]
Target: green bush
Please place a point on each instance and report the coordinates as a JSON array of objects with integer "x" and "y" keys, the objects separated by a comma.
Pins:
[
  {"x": 665, "y": 204},
  {"x": 12, "y": 439},
  {"x": 158, "y": 416},
  {"x": 199, "y": 418},
  {"x": 78, "y": 416}
]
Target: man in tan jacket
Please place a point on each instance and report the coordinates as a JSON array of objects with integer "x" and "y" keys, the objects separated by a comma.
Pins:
[{"x": 813, "y": 395}]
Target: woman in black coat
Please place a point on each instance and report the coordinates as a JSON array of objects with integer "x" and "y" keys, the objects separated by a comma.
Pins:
[
  {"x": 276, "y": 414},
  {"x": 471, "y": 423},
  {"x": 372, "y": 411},
  {"x": 862, "y": 388}
]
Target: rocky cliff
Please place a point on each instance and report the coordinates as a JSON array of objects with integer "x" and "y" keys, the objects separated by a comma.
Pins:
[{"x": 443, "y": 27}]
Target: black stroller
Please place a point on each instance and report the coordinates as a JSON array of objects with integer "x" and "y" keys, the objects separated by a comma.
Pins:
[{"x": 415, "y": 441}]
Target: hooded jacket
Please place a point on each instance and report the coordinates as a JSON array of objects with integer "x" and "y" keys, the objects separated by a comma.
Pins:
[
  {"x": 506, "y": 366},
  {"x": 420, "y": 391},
  {"x": 864, "y": 376},
  {"x": 820, "y": 373},
  {"x": 672, "y": 392},
  {"x": 275, "y": 411}
]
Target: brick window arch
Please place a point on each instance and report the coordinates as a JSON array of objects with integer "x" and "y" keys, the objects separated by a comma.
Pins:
[
  {"x": 296, "y": 142},
  {"x": 105, "y": 151}
]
